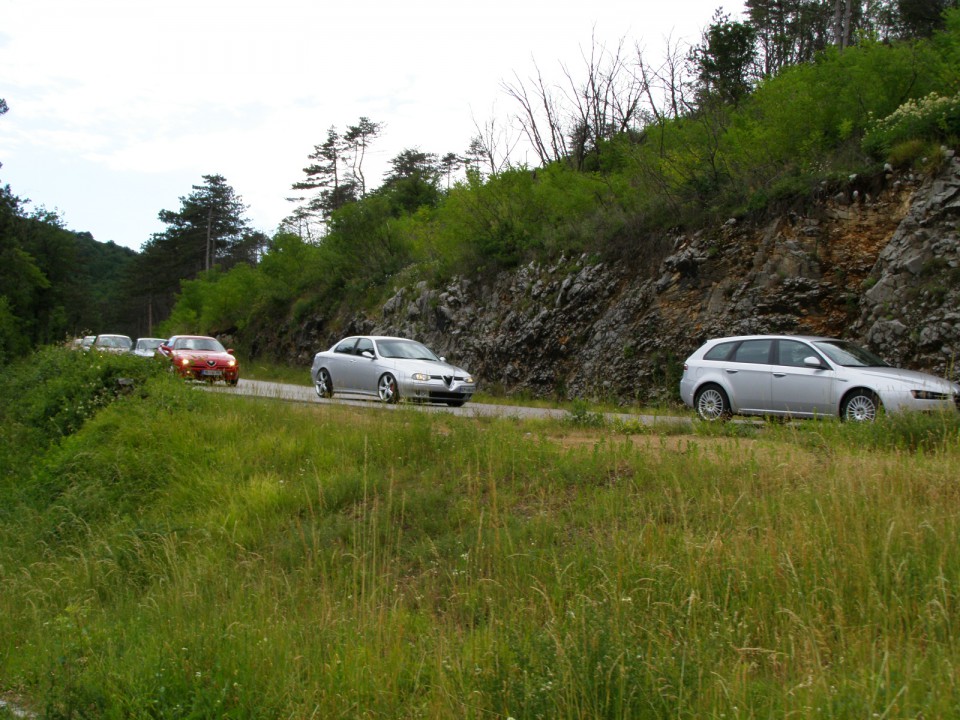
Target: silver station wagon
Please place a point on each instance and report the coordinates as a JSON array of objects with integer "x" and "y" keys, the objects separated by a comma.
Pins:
[{"x": 801, "y": 376}]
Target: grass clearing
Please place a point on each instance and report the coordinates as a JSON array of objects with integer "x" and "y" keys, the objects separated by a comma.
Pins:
[{"x": 189, "y": 554}]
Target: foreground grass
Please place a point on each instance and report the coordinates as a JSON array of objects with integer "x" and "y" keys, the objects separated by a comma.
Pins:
[{"x": 188, "y": 554}]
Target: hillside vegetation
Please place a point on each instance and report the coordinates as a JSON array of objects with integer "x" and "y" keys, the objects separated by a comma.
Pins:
[
  {"x": 787, "y": 139},
  {"x": 181, "y": 554},
  {"x": 763, "y": 116}
]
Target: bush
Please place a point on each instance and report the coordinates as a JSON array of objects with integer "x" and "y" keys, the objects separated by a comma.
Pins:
[{"x": 933, "y": 118}]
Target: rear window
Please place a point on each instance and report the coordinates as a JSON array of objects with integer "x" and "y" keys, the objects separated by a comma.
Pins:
[{"x": 754, "y": 351}]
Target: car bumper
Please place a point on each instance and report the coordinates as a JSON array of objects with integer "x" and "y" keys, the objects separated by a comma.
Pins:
[
  {"x": 905, "y": 402},
  {"x": 203, "y": 372},
  {"x": 436, "y": 390}
]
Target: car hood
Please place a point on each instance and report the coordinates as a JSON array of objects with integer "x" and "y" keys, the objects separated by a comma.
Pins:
[
  {"x": 220, "y": 357},
  {"x": 908, "y": 377}
]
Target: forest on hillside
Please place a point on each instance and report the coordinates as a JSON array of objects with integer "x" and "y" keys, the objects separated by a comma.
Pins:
[{"x": 764, "y": 113}]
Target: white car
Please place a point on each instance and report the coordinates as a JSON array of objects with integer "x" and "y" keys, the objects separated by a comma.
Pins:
[
  {"x": 112, "y": 343},
  {"x": 147, "y": 346},
  {"x": 804, "y": 376},
  {"x": 390, "y": 368}
]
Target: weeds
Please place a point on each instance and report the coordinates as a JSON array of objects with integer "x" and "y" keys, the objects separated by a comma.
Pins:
[{"x": 189, "y": 554}]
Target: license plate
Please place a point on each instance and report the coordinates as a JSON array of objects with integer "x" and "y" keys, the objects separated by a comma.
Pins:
[{"x": 211, "y": 373}]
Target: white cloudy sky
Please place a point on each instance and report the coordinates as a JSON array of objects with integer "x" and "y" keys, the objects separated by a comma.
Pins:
[{"x": 118, "y": 107}]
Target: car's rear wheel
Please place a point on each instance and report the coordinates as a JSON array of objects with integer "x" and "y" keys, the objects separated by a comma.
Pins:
[
  {"x": 324, "y": 385},
  {"x": 861, "y": 406},
  {"x": 711, "y": 403},
  {"x": 387, "y": 388}
]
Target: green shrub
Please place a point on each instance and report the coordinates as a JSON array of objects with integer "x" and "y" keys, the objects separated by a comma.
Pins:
[{"x": 930, "y": 119}]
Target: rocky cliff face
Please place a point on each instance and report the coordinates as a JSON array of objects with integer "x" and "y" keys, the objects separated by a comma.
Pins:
[{"x": 878, "y": 264}]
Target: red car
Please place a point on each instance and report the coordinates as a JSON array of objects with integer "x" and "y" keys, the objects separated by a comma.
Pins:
[{"x": 199, "y": 357}]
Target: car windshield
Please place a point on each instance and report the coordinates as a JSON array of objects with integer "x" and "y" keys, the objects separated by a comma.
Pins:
[
  {"x": 406, "y": 350},
  {"x": 849, "y": 355},
  {"x": 114, "y": 341},
  {"x": 208, "y": 344},
  {"x": 151, "y": 344}
]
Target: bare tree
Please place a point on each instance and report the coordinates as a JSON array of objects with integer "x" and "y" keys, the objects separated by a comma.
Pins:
[
  {"x": 570, "y": 122},
  {"x": 545, "y": 133}
]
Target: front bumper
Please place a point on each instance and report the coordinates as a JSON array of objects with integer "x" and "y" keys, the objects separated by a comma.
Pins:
[
  {"x": 437, "y": 389},
  {"x": 202, "y": 371}
]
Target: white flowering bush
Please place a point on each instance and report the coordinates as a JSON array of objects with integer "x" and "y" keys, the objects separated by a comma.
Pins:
[{"x": 931, "y": 118}]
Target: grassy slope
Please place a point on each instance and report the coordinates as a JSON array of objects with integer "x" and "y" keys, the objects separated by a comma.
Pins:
[{"x": 196, "y": 555}]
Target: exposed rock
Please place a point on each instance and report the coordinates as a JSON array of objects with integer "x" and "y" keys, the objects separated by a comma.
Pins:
[{"x": 878, "y": 263}]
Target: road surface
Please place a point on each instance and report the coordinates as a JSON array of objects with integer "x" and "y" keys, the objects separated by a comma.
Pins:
[{"x": 300, "y": 393}]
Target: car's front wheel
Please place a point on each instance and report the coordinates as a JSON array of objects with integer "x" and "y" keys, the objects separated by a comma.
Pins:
[
  {"x": 387, "y": 388},
  {"x": 711, "y": 403},
  {"x": 324, "y": 385},
  {"x": 861, "y": 406}
]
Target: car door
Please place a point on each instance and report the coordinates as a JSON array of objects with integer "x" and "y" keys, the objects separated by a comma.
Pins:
[
  {"x": 798, "y": 388},
  {"x": 748, "y": 374},
  {"x": 340, "y": 365},
  {"x": 365, "y": 369}
]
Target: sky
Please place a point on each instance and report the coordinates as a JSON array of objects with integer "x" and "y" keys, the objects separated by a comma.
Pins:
[{"x": 119, "y": 107}]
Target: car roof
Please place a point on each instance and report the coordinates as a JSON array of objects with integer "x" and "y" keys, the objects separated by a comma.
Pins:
[{"x": 736, "y": 338}]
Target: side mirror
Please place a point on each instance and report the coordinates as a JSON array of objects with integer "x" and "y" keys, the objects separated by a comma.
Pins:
[
  {"x": 442, "y": 359},
  {"x": 230, "y": 350},
  {"x": 367, "y": 354},
  {"x": 812, "y": 361}
]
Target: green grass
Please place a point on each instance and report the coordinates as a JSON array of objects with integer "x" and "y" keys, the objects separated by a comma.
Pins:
[{"x": 187, "y": 554}]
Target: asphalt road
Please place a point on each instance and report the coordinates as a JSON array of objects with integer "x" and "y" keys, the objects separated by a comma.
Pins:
[{"x": 300, "y": 393}]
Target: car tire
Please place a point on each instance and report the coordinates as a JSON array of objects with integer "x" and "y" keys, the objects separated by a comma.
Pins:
[
  {"x": 861, "y": 406},
  {"x": 233, "y": 383},
  {"x": 323, "y": 385},
  {"x": 712, "y": 403},
  {"x": 387, "y": 389}
]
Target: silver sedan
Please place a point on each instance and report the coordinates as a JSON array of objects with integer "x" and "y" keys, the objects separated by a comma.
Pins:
[
  {"x": 389, "y": 368},
  {"x": 792, "y": 376}
]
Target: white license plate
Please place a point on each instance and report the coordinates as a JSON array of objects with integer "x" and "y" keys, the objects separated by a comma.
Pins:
[{"x": 211, "y": 373}]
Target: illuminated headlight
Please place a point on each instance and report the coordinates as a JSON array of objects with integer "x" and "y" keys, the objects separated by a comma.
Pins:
[
  {"x": 468, "y": 379},
  {"x": 421, "y": 377},
  {"x": 231, "y": 363},
  {"x": 928, "y": 395},
  {"x": 184, "y": 361}
]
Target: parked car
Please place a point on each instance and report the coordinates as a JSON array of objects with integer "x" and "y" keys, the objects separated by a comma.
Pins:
[
  {"x": 804, "y": 376},
  {"x": 147, "y": 346},
  {"x": 390, "y": 368},
  {"x": 199, "y": 357},
  {"x": 112, "y": 343},
  {"x": 87, "y": 342}
]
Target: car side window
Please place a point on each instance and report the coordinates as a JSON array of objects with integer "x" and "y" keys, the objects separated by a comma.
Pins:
[
  {"x": 792, "y": 353},
  {"x": 719, "y": 352},
  {"x": 364, "y": 344},
  {"x": 753, "y": 351},
  {"x": 346, "y": 347}
]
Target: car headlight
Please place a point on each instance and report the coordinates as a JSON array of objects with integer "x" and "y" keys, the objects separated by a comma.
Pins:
[
  {"x": 184, "y": 361},
  {"x": 928, "y": 395},
  {"x": 468, "y": 379},
  {"x": 231, "y": 363},
  {"x": 421, "y": 377}
]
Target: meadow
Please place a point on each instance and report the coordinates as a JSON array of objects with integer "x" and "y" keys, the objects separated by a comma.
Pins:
[{"x": 181, "y": 554}]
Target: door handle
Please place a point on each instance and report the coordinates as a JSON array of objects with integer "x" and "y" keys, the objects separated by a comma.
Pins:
[
  {"x": 732, "y": 372},
  {"x": 779, "y": 374}
]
